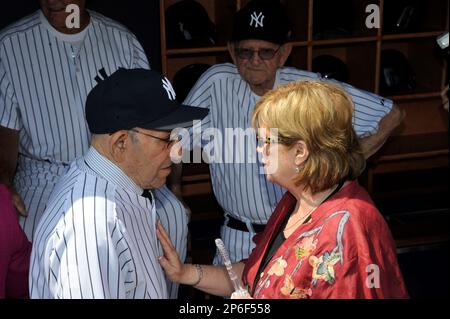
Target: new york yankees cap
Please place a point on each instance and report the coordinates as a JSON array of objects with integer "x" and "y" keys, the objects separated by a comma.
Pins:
[
  {"x": 261, "y": 20},
  {"x": 131, "y": 98}
]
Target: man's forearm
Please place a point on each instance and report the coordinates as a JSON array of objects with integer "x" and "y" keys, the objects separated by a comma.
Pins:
[{"x": 371, "y": 144}]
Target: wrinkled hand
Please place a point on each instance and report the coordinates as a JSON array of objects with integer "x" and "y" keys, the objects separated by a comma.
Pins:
[
  {"x": 241, "y": 295},
  {"x": 170, "y": 262}
]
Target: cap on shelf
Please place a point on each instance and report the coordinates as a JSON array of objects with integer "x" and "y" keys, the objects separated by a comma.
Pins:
[
  {"x": 188, "y": 25},
  {"x": 330, "y": 67},
  {"x": 396, "y": 75}
]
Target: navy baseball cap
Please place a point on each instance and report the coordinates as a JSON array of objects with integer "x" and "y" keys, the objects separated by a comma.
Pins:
[
  {"x": 141, "y": 98},
  {"x": 262, "y": 20},
  {"x": 188, "y": 25}
]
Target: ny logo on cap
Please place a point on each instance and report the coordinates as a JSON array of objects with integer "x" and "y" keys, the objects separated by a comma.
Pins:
[
  {"x": 258, "y": 19},
  {"x": 169, "y": 89}
]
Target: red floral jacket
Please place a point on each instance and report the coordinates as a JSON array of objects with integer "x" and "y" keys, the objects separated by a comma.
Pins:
[{"x": 345, "y": 251}]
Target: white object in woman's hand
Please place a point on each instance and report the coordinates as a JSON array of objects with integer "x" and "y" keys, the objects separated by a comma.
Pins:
[{"x": 241, "y": 294}]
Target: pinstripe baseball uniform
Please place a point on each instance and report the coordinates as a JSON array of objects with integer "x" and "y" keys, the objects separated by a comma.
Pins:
[
  {"x": 174, "y": 218},
  {"x": 45, "y": 77},
  {"x": 241, "y": 190},
  {"x": 97, "y": 237}
]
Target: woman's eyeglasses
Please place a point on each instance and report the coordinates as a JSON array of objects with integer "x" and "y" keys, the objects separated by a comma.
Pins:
[
  {"x": 264, "y": 53},
  {"x": 262, "y": 141}
]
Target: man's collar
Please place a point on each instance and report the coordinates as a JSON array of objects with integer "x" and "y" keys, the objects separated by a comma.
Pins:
[{"x": 103, "y": 167}]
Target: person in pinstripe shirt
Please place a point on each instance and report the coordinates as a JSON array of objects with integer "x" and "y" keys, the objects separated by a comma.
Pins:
[
  {"x": 97, "y": 236},
  {"x": 259, "y": 48},
  {"x": 46, "y": 72}
]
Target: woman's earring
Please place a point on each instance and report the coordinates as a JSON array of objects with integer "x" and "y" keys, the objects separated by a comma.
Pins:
[{"x": 297, "y": 169}]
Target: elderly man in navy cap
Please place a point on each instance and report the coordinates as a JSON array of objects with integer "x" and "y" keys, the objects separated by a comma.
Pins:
[
  {"x": 97, "y": 238},
  {"x": 259, "y": 47}
]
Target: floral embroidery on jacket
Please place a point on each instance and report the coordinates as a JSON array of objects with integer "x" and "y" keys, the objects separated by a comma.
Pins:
[
  {"x": 278, "y": 268},
  {"x": 305, "y": 247},
  {"x": 323, "y": 267},
  {"x": 297, "y": 255},
  {"x": 292, "y": 292},
  {"x": 320, "y": 256}
]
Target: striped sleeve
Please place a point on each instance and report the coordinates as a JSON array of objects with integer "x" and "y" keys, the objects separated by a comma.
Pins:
[
  {"x": 139, "y": 57},
  {"x": 9, "y": 114},
  {"x": 369, "y": 109},
  {"x": 126, "y": 41},
  {"x": 173, "y": 217}
]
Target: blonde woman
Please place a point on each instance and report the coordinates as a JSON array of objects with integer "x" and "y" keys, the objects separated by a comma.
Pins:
[{"x": 326, "y": 238}]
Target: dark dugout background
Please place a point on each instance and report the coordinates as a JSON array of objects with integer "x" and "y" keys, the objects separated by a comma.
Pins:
[{"x": 139, "y": 16}]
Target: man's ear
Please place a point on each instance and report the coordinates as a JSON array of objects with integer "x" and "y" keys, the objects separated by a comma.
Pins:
[
  {"x": 118, "y": 145},
  {"x": 231, "y": 49},
  {"x": 301, "y": 153},
  {"x": 285, "y": 51}
]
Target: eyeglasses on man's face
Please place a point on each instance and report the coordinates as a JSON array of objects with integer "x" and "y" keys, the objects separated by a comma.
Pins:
[
  {"x": 170, "y": 140},
  {"x": 263, "y": 53}
]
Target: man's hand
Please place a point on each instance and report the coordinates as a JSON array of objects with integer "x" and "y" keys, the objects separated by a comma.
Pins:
[{"x": 17, "y": 201}]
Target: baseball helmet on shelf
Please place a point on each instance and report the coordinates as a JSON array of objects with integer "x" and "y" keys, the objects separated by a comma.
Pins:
[
  {"x": 188, "y": 25},
  {"x": 397, "y": 75},
  {"x": 330, "y": 67}
]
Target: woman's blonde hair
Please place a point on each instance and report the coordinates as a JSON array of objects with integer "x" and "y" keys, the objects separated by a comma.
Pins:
[{"x": 320, "y": 115}]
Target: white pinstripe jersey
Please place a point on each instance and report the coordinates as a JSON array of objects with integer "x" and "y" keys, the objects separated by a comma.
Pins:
[
  {"x": 240, "y": 189},
  {"x": 45, "y": 77},
  {"x": 97, "y": 237}
]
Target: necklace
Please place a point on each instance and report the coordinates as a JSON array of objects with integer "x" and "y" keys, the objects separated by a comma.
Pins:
[{"x": 300, "y": 221}]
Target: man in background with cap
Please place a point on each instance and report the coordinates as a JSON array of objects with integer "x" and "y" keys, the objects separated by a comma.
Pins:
[
  {"x": 97, "y": 237},
  {"x": 46, "y": 72},
  {"x": 259, "y": 48}
]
